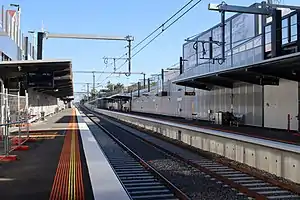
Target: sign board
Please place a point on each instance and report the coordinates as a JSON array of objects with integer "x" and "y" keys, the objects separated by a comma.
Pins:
[
  {"x": 40, "y": 79},
  {"x": 189, "y": 93}
]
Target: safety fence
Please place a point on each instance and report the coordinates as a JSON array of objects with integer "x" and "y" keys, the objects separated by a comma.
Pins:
[{"x": 14, "y": 121}]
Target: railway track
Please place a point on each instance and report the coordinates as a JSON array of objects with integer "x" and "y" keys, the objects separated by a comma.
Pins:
[
  {"x": 243, "y": 183},
  {"x": 139, "y": 179}
]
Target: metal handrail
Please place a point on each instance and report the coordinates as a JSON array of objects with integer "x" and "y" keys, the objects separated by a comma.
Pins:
[{"x": 12, "y": 123}]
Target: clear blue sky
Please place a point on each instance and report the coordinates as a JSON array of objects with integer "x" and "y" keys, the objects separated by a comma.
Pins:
[{"x": 116, "y": 18}]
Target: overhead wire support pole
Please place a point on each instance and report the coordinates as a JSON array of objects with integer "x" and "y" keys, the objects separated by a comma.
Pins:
[
  {"x": 163, "y": 28},
  {"x": 93, "y": 81},
  {"x": 129, "y": 57},
  {"x": 42, "y": 34},
  {"x": 88, "y": 90},
  {"x": 144, "y": 80},
  {"x": 223, "y": 36}
]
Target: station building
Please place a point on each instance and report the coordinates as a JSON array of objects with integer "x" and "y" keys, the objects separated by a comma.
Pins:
[
  {"x": 258, "y": 80},
  {"x": 18, "y": 58}
]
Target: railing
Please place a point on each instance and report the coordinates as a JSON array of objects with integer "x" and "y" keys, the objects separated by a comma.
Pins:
[{"x": 14, "y": 126}]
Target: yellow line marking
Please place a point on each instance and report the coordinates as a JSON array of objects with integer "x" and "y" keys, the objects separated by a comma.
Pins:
[
  {"x": 72, "y": 171},
  {"x": 74, "y": 163}
]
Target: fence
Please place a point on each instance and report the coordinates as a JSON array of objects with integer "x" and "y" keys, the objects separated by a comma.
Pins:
[{"x": 14, "y": 126}]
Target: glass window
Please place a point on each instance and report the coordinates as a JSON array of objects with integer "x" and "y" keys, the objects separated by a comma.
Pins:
[
  {"x": 268, "y": 34},
  {"x": 285, "y": 35},
  {"x": 249, "y": 45},
  {"x": 294, "y": 19},
  {"x": 293, "y": 33},
  {"x": 285, "y": 41},
  {"x": 259, "y": 24},
  {"x": 268, "y": 47},
  {"x": 284, "y": 23},
  {"x": 242, "y": 28},
  {"x": 227, "y": 36},
  {"x": 268, "y": 38},
  {"x": 268, "y": 42},
  {"x": 257, "y": 41},
  {"x": 268, "y": 29},
  {"x": 294, "y": 38},
  {"x": 242, "y": 48}
]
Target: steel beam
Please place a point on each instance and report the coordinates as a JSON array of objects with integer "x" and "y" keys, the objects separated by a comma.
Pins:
[
  {"x": 276, "y": 34},
  {"x": 42, "y": 35},
  {"x": 239, "y": 9},
  {"x": 139, "y": 88},
  {"x": 197, "y": 85},
  {"x": 149, "y": 85},
  {"x": 86, "y": 36},
  {"x": 219, "y": 83},
  {"x": 162, "y": 80},
  {"x": 172, "y": 69},
  {"x": 298, "y": 34},
  {"x": 284, "y": 6},
  {"x": 40, "y": 38},
  {"x": 203, "y": 41}
]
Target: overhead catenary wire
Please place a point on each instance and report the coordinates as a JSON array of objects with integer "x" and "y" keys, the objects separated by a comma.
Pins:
[
  {"x": 163, "y": 24},
  {"x": 162, "y": 30},
  {"x": 158, "y": 28},
  {"x": 166, "y": 28}
]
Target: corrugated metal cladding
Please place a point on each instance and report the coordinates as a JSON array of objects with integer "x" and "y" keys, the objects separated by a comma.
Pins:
[{"x": 247, "y": 100}]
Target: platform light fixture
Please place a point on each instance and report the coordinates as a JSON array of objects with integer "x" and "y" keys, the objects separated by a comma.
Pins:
[{"x": 15, "y": 5}]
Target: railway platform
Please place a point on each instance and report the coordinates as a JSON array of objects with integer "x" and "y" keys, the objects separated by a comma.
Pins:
[
  {"x": 63, "y": 162},
  {"x": 284, "y": 136}
]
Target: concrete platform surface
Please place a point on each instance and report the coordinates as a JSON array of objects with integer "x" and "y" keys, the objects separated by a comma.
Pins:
[
  {"x": 52, "y": 168},
  {"x": 59, "y": 121}
]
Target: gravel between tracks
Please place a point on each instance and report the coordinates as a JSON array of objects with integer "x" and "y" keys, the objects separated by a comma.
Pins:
[{"x": 190, "y": 180}]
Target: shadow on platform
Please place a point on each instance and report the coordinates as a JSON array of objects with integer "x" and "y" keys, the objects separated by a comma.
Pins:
[{"x": 64, "y": 119}]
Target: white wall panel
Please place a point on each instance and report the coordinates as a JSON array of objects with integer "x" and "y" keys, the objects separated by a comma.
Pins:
[
  {"x": 39, "y": 102},
  {"x": 279, "y": 102}
]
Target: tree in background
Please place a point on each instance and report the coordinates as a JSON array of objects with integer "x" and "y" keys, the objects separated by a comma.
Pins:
[
  {"x": 110, "y": 86},
  {"x": 114, "y": 87},
  {"x": 94, "y": 93},
  {"x": 119, "y": 87}
]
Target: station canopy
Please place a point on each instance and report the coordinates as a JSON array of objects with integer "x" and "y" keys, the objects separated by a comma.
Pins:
[
  {"x": 115, "y": 97},
  {"x": 52, "y": 77},
  {"x": 123, "y": 97},
  {"x": 266, "y": 72}
]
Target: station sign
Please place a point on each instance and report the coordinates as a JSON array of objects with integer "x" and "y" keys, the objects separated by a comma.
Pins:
[
  {"x": 189, "y": 93},
  {"x": 40, "y": 79}
]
